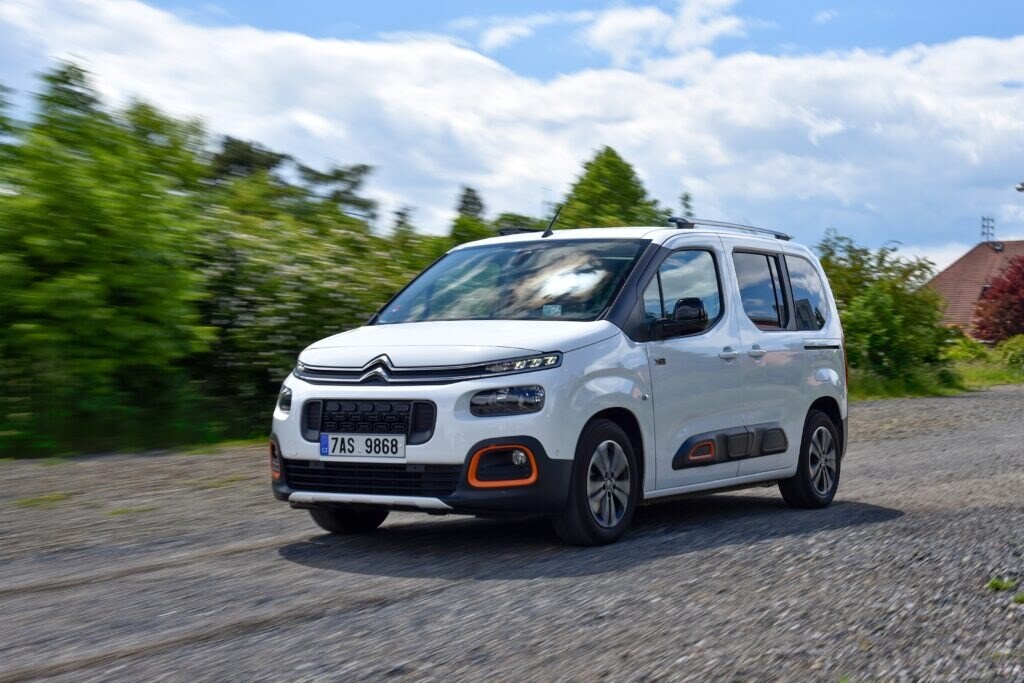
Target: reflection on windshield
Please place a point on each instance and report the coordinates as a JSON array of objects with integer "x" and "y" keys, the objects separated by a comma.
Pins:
[{"x": 519, "y": 281}]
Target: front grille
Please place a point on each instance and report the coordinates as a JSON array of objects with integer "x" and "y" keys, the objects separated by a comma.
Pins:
[
  {"x": 370, "y": 478},
  {"x": 415, "y": 419}
]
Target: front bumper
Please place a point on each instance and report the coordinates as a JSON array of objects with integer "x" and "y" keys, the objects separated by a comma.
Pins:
[{"x": 546, "y": 495}]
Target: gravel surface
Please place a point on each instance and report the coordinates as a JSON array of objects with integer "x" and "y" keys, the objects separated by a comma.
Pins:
[{"x": 183, "y": 567}]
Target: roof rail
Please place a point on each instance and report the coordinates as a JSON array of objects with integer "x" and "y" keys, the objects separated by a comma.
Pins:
[{"x": 682, "y": 222}]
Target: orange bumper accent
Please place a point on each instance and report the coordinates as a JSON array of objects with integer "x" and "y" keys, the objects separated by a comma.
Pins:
[{"x": 501, "y": 483}]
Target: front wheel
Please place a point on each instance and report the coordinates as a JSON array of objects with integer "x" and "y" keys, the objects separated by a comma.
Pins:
[
  {"x": 340, "y": 520},
  {"x": 817, "y": 475},
  {"x": 604, "y": 487}
]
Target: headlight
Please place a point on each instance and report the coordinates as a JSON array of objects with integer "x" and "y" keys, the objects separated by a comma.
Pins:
[
  {"x": 284, "y": 399},
  {"x": 507, "y": 401},
  {"x": 547, "y": 360}
]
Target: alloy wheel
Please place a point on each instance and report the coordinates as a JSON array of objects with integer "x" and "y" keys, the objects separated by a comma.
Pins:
[
  {"x": 608, "y": 484},
  {"x": 822, "y": 455}
]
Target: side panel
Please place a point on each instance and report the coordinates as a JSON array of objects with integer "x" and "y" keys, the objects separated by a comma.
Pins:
[
  {"x": 610, "y": 374},
  {"x": 774, "y": 371}
]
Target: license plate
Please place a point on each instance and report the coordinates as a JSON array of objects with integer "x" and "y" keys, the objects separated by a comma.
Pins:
[{"x": 363, "y": 445}]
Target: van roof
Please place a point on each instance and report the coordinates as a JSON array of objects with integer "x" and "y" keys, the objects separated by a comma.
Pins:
[{"x": 657, "y": 234}]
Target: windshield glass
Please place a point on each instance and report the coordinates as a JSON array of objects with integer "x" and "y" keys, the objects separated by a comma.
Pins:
[{"x": 519, "y": 281}]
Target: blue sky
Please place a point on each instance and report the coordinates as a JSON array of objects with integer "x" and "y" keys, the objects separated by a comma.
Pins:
[{"x": 886, "y": 120}]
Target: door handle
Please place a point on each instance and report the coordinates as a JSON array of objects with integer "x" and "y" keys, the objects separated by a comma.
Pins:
[
  {"x": 728, "y": 353},
  {"x": 756, "y": 352}
]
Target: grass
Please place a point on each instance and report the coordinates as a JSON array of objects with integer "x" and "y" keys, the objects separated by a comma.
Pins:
[
  {"x": 44, "y": 501},
  {"x": 977, "y": 374},
  {"x": 965, "y": 376},
  {"x": 120, "y": 512},
  {"x": 1018, "y": 599},
  {"x": 214, "y": 448},
  {"x": 998, "y": 584}
]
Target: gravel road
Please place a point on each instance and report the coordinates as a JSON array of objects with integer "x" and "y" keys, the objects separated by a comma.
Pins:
[{"x": 181, "y": 567}]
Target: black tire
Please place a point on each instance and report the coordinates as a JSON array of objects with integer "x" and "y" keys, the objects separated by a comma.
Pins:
[
  {"x": 339, "y": 520},
  {"x": 579, "y": 523},
  {"x": 814, "y": 485}
]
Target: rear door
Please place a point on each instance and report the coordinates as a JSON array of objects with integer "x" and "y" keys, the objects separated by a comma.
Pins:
[
  {"x": 696, "y": 370},
  {"x": 773, "y": 360}
]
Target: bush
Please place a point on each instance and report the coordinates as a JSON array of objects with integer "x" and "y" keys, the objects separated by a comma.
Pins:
[
  {"x": 966, "y": 349},
  {"x": 999, "y": 314},
  {"x": 891, "y": 320},
  {"x": 1011, "y": 352}
]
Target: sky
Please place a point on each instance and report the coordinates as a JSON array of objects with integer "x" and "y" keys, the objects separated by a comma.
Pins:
[{"x": 888, "y": 121}]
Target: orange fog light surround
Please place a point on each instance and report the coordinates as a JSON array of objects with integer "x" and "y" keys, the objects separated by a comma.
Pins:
[
  {"x": 275, "y": 458},
  {"x": 501, "y": 483}
]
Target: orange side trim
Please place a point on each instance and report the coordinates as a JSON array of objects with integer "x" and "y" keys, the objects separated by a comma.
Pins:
[
  {"x": 710, "y": 455},
  {"x": 501, "y": 483}
]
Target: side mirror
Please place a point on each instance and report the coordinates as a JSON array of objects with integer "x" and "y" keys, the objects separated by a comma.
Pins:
[{"x": 688, "y": 317}]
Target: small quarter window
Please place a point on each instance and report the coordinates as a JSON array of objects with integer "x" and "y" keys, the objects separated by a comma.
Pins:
[
  {"x": 809, "y": 306},
  {"x": 761, "y": 289}
]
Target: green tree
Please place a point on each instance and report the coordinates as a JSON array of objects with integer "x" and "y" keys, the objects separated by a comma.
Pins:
[
  {"x": 468, "y": 229},
  {"x": 470, "y": 204},
  {"x": 891, "y": 320},
  {"x": 100, "y": 302},
  {"x": 239, "y": 158},
  {"x": 341, "y": 186},
  {"x": 609, "y": 193},
  {"x": 686, "y": 205},
  {"x": 515, "y": 221}
]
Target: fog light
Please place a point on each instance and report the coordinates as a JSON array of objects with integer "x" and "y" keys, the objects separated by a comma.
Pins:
[
  {"x": 275, "y": 463},
  {"x": 518, "y": 458},
  {"x": 507, "y": 401}
]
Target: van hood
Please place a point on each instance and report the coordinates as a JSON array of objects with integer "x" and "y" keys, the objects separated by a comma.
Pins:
[{"x": 453, "y": 342}]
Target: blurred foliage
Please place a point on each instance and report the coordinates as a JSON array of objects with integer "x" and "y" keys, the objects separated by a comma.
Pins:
[
  {"x": 963, "y": 348},
  {"x": 159, "y": 284},
  {"x": 892, "y": 322},
  {"x": 999, "y": 314},
  {"x": 609, "y": 193},
  {"x": 1011, "y": 352}
]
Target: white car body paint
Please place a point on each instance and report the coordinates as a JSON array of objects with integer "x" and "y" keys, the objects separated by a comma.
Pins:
[{"x": 674, "y": 388}]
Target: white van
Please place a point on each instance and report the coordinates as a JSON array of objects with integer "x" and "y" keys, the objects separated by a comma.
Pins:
[{"x": 576, "y": 375}]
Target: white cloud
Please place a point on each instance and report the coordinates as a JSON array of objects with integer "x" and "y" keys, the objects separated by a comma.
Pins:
[
  {"x": 825, "y": 16},
  {"x": 501, "y": 31},
  {"x": 913, "y": 144},
  {"x": 627, "y": 34}
]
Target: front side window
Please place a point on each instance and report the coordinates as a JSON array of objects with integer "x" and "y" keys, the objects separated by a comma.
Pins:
[
  {"x": 809, "y": 307},
  {"x": 536, "y": 280},
  {"x": 761, "y": 289},
  {"x": 685, "y": 291}
]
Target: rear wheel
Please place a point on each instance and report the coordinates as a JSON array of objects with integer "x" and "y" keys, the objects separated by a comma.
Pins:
[
  {"x": 340, "y": 520},
  {"x": 817, "y": 475},
  {"x": 603, "y": 489}
]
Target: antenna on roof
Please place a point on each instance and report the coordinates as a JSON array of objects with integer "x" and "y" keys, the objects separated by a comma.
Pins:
[
  {"x": 551, "y": 225},
  {"x": 988, "y": 229}
]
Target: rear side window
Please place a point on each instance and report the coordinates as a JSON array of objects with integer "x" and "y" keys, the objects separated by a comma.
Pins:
[
  {"x": 809, "y": 307},
  {"x": 761, "y": 289}
]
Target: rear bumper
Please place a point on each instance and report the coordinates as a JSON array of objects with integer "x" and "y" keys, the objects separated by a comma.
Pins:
[{"x": 546, "y": 495}]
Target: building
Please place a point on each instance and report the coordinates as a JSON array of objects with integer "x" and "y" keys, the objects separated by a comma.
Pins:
[{"x": 963, "y": 282}]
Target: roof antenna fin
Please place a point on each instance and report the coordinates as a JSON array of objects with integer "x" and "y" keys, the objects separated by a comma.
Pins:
[{"x": 551, "y": 225}]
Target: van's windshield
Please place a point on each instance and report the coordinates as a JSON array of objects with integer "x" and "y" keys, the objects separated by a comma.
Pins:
[{"x": 535, "y": 280}]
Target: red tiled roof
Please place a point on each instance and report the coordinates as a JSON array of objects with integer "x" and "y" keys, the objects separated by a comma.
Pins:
[{"x": 962, "y": 283}]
